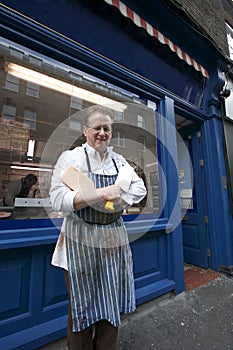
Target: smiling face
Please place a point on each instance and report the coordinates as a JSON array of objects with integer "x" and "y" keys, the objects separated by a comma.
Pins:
[{"x": 98, "y": 131}]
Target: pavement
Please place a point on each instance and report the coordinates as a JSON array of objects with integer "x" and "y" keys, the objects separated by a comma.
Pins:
[{"x": 201, "y": 318}]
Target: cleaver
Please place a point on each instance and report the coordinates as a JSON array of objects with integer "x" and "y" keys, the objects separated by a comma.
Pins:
[{"x": 76, "y": 180}]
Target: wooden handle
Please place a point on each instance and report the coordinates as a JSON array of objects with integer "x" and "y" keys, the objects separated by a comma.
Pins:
[{"x": 109, "y": 206}]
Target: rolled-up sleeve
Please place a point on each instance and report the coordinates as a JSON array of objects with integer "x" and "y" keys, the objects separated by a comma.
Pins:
[
  {"x": 137, "y": 191},
  {"x": 61, "y": 196}
]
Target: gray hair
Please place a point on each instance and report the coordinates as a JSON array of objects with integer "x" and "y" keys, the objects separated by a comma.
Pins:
[{"x": 98, "y": 109}]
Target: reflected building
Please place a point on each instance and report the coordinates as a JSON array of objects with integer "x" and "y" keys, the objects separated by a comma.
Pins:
[{"x": 43, "y": 106}]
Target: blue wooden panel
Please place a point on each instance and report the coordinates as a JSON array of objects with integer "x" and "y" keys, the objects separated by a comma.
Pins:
[
  {"x": 38, "y": 292},
  {"x": 14, "y": 277},
  {"x": 150, "y": 265},
  {"x": 146, "y": 257},
  {"x": 35, "y": 223},
  {"x": 191, "y": 236},
  {"x": 154, "y": 290},
  {"x": 33, "y": 291},
  {"x": 51, "y": 286},
  {"x": 35, "y": 336},
  {"x": 193, "y": 250},
  {"x": 15, "y": 302},
  {"x": 54, "y": 289}
]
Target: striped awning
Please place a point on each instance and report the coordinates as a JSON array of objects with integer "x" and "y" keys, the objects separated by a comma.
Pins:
[{"x": 140, "y": 22}]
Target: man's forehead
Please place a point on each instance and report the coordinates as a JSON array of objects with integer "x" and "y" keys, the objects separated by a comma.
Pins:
[{"x": 100, "y": 119}]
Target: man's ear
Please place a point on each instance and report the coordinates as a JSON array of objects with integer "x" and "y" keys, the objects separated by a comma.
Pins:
[{"x": 85, "y": 129}]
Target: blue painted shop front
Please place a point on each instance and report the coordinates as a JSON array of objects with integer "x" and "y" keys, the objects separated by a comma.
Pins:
[{"x": 33, "y": 305}]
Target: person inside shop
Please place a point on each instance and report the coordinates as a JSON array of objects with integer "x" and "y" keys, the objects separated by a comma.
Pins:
[
  {"x": 93, "y": 247},
  {"x": 18, "y": 188}
]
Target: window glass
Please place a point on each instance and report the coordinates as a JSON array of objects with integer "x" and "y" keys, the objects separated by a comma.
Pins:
[
  {"x": 229, "y": 100},
  {"x": 187, "y": 190},
  {"x": 230, "y": 39},
  {"x": 43, "y": 109}
]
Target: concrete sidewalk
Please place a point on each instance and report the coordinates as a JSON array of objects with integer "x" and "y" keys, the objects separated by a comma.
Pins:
[{"x": 199, "y": 319}]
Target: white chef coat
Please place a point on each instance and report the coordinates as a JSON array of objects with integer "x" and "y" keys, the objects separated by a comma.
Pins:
[{"x": 62, "y": 197}]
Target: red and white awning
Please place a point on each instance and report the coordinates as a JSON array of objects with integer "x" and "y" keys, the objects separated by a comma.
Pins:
[{"x": 140, "y": 22}]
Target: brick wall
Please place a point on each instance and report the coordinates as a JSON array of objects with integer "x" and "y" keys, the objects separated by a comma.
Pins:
[
  {"x": 209, "y": 16},
  {"x": 228, "y": 11}
]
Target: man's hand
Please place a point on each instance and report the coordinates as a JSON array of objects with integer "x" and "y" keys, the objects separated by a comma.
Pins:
[{"x": 110, "y": 193}]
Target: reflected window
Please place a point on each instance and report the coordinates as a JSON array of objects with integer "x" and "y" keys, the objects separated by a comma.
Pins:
[
  {"x": 118, "y": 116},
  {"x": 12, "y": 83},
  {"x": 142, "y": 142},
  {"x": 75, "y": 125},
  {"x": 30, "y": 118},
  {"x": 140, "y": 121},
  {"x": 9, "y": 112},
  {"x": 32, "y": 89},
  {"x": 76, "y": 103},
  {"x": 119, "y": 138}
]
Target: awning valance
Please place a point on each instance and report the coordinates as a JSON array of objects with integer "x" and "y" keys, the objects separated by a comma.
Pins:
[{"x": 140, "y": 22}]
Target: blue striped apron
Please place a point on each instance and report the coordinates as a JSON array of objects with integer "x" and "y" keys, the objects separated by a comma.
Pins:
[{"x": 100, "y": 264}]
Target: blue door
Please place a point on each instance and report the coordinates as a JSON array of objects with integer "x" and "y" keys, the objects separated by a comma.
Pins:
[{"x": 192, "y": 198}]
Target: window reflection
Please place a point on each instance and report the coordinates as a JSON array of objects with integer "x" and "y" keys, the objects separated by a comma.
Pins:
[{"x": 43, "y": 107}]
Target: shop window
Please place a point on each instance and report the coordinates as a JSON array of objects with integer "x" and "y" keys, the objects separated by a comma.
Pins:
[
  {"x": 12, "y": 83},
  {"x": 229, "y": 100},
  {"x": 33, "y": 138},
  {"x": 230, "y": 39}
]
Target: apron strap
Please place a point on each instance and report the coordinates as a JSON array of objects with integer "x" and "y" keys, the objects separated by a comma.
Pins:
[
  {"x": 88, "y": 161},
  {"x": 114, "y": 162}
]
